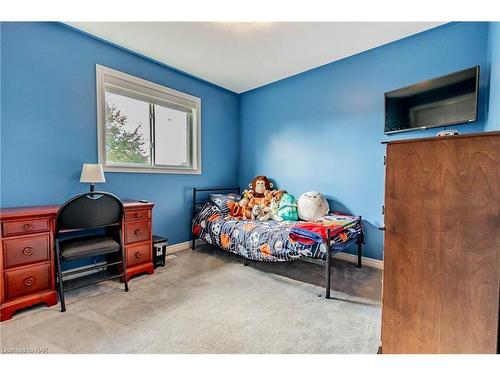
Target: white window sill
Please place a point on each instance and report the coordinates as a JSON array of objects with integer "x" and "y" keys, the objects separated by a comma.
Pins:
[{"x": 151, "y": 170}]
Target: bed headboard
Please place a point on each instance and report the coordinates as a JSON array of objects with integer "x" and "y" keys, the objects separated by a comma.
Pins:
[{"x": 200, "y": 196}]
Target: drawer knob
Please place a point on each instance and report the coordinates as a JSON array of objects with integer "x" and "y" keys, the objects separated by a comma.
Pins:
[
  {"x": 29, "y": 281},
  {"x": 138, "y": 232},
  {"x": 138, "y": 214},
  {"x": 28, "y": 251},
  {"x": 138, "y": 255},
  {"x": 27, "y": 227}
]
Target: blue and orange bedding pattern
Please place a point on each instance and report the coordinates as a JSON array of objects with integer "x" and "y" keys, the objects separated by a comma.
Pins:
[{"x": 267, "y": 241}]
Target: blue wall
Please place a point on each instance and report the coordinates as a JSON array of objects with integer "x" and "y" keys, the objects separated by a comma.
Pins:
[
  {"x": 48, "y": 124},
  {"x": 493, "y": 122},
  {"x": 321, "y": 130}
]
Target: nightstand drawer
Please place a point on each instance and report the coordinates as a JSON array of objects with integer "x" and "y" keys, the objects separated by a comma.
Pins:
[
  {"x": 137, "y": 231},
  {"x": 138, "y": 253},
  {"x": 29, "y": 280},
  {"x": 137, "y": 215},
  {"x": 24, "y": 250},
  {"x": 25, "y": 227}
]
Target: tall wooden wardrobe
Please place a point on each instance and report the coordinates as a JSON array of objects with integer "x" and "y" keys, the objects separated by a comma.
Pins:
[{"x": 442, "y": 245}]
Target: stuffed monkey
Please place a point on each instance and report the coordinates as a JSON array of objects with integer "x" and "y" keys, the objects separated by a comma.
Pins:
[
  {"x": 259, "y": 193},
  {"x": 259, "y": 186}
]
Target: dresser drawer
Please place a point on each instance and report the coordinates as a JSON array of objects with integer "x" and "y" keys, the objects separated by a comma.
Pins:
[
  {"x": 25, "y": 226},
  {"x": 138, "y": 253},
  {"x": 137, "y": 215},
  {"x": 29, "y": 280},
  {"x": 137, "y": 231},
  {"x": 24, "y": 250}
]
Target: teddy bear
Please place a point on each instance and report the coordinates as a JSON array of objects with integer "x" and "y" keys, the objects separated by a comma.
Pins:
[
  {"x": 312, "y": 206},
  {"x": 270, "y": 204},
  {"x": 271, "y": 212},
  {"x": 259, "y": 213},
  {"x": 263, "y": 208}
]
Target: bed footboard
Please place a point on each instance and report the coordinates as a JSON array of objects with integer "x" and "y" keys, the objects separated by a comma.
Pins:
[{"x": 328, "y": 262}]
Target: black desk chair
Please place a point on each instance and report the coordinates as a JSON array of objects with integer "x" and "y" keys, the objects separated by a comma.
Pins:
[{"x": 96, "y": 210}]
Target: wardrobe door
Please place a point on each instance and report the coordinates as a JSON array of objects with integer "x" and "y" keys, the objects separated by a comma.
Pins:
[{"x": 442, "y": 241}]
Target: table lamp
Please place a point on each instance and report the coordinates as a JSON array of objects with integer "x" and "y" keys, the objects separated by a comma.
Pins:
[{"x": 92, "y": 174}]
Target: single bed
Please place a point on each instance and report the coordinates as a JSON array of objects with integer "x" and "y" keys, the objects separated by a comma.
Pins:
[{"x": 270, "y": 241}]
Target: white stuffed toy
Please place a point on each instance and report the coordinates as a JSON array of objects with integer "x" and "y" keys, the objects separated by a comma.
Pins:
[{"x": 312, "y": 206}]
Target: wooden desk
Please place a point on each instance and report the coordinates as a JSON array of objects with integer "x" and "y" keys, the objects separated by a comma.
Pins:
[{"x": 27, "y": 269}]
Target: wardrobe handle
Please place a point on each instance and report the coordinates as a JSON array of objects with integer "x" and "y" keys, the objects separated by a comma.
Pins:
[
  {"x": 138, "y": 255},
  {"x": 138, "y": 214},
  {"x": 138, "y": 232},
  {"x": 27, "y": 227}
]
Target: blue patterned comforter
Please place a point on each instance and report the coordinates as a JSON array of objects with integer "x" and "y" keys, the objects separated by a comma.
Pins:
[{"x": 267, "y": 241}]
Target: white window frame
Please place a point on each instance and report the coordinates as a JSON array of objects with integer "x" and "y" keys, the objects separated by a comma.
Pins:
[{"x": 154, "y": 93}]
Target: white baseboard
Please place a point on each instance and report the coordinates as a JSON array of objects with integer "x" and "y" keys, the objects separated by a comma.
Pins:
[
  {"x": 171, "y": 249},
  {"x": 370, "y": 262}
]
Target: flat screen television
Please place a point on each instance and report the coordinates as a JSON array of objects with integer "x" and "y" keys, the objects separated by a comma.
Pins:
[{"x": 442, "y": 101}]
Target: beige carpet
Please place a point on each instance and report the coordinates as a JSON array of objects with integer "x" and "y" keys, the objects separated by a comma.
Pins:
[{"x": 206, "y": 301}]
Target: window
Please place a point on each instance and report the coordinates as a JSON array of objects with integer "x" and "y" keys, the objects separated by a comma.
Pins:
[{"x": 146, "y": 127}]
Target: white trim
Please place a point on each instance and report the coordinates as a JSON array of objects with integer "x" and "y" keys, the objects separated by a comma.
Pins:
[
  {"x": 123, "y": 169},
  {"x": 171, "y": 249},
  {"x": 106, "y": 76},
  {"x": 352, "y": 258}
]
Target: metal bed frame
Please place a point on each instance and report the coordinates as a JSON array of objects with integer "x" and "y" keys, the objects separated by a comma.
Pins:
[{"x": 196, "y": 204}]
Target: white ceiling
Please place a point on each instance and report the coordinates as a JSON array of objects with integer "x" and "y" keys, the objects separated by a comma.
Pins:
[{"x": 241, "y": 56}]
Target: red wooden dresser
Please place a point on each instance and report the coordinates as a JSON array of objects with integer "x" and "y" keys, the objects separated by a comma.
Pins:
[{"x": 27, "y": 272}]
